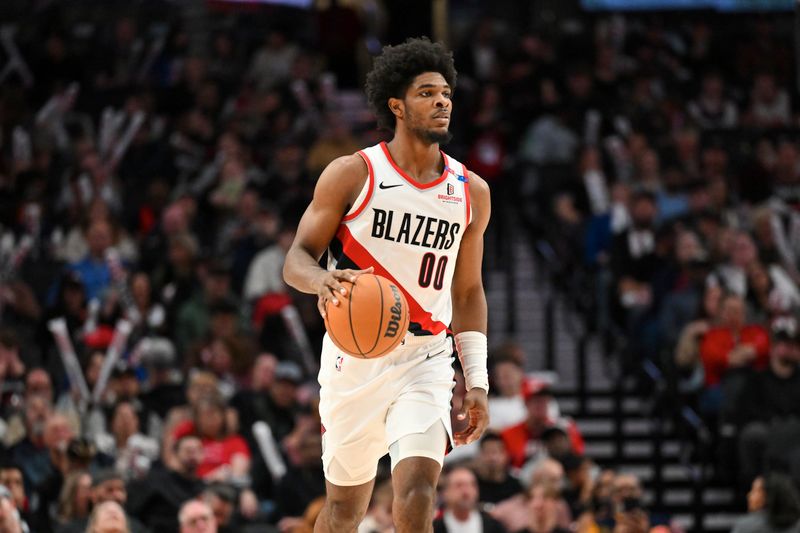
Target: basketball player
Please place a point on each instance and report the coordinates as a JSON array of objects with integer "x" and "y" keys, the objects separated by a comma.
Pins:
[{"x": 408, "y": 212}]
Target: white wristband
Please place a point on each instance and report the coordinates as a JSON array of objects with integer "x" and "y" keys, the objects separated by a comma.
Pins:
[{"x": 473, "y": 350}]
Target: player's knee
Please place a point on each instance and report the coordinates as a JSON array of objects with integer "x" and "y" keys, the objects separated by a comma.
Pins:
[
  {"x": 343, "y": 515},
  {"x": 418, "y": 495}
]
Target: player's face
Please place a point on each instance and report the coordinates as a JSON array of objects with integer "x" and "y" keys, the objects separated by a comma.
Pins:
[{"x": 427, "y": 106}]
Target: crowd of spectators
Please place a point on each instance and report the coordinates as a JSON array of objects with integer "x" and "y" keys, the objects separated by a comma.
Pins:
[
  {"x": 663, "y": 172},
  {"x": 157, "y": 374}
]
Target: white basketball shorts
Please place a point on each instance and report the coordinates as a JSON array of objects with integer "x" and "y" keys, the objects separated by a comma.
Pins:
[{"x": 368, "y": 404}]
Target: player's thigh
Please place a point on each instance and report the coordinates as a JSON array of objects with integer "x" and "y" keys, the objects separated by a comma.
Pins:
[{"x": 424, "y": 400}]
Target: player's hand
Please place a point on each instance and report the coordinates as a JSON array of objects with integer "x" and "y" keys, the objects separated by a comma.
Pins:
[
  {"x": 329, "y": 288},
  {"x": 476, "y": 409}
]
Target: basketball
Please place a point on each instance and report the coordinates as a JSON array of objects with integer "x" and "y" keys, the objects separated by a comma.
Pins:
[{"x": 371, "y": 320}]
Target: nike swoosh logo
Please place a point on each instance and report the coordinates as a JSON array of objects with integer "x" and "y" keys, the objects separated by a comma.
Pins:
[
  {"x": 435, "y": 354},
  {"x": 382, "y": 186}
]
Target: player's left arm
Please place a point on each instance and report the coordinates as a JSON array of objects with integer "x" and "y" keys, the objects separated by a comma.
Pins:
[{"x": 470, "y": 313}]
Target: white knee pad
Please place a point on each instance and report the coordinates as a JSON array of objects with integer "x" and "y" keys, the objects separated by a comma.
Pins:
[{"x": 431, "y": 444}]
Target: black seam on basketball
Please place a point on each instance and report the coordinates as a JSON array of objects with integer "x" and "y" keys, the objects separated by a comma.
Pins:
[
  {"x": 408, "y": 317},
  {"x": 380, "y": 323},
  {"x": 350, "y": 317}
]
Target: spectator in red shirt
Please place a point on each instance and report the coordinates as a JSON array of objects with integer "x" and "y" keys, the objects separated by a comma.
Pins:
[
  {"x": 226, "y": 456},
  {"x": 733, "y": 344},
  {"x": 524, "y": 440}
]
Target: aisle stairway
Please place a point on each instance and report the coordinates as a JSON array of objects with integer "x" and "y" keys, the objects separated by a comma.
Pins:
[{"x": 636, "y": 450}]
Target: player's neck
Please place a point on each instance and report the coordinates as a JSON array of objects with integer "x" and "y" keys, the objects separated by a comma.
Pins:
[{"x": 420, "y": 160}]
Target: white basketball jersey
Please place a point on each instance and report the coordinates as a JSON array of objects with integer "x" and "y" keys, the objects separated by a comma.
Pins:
[{"x": 410, "y": 232}]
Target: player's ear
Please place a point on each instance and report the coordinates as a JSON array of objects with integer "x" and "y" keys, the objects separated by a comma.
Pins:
[{"x": 396, "y": 106}]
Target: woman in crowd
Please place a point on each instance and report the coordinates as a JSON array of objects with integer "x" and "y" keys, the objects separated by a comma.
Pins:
[
  {"x": 73, "y": 502},
  {"x": 774, "y": 506}
]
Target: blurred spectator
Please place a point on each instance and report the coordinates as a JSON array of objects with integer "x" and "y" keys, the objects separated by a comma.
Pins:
[
  {"x": 74, "y": 500},
  {"x": 579, "y": 487},
  {"x": 461, "y": 512},
  {"x": 11, "y": 366},
  {"x": 303, "y": 481},
  {"x": 194, "y": 316},
  {"x": 627, "y": 513},
  {"x": 202, "y": 384},
  {"x": 770, "y": 106},
  {"x": 514, "y": 513},
  {"x": 134, "y": 451},
  {"x": 495, "y": 482},
  {"x": 634, "y": 260},
  {"x": 506, "y": 404},
  {"x": 11, "y": 478},
  {"x": 147, "y": 314},
  {"x": 265, "y": 276},
  {"x": 10, "y": 520},
  {"x": 548, "y": 140},
  {"x": 687, "y": 349},
  {"x": 31, "y": 454},
  {"x": 711, "y": 108},
  {"x": 733, "y": 343},
  {"x": 195, "y": 516},
  {"x": 774, "y": 506},
  {"x": 158, "y": 497},
  {"x": 221, "y": 499},
  {"x": 226, "y": 456},
  {"x": 523, "y": 441},
  {"x": 107, "y": 487},
  {"x": 732, "y": 275},
  {"x": 335, "y": 140},
  {"x": 275, "y": 403},
  {"x": 76, "y": 245},
  {"x": 93, "y": 268},
  {"x": 543, "y": 505},
  {"x": 273, "y": 60},
  {"x": 767, "y": 407},
  {"x": 108, "y": 517}
]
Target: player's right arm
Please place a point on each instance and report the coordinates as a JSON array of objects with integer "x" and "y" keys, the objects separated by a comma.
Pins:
[{"x": 335, "y": 192}]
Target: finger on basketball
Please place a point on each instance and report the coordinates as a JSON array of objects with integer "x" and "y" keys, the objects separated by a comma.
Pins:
[
  {"x": 330, "y": 293},
  {"x": 321, "y": 306},
  {"x": 352, "y": 275},
  {"x": 336, "y": 288}
]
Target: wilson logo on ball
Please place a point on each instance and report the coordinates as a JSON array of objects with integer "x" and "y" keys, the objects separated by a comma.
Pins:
[{"x": 396, "y": 313}]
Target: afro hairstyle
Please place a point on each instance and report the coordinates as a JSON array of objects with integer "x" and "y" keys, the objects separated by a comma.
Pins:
[{"x": 397, "y": 66}]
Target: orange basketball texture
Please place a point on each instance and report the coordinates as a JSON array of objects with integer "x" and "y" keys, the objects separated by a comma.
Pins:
[{"x": 371, "y": 320}]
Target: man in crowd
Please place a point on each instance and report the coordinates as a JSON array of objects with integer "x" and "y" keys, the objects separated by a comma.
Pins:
[
  {"x": 461, "y": 513},
  {"x": 495, "y": 482},
  {"x": 158, "y": 497},
  {"x": 195, "y": 516},
  {"x": 768, "y": 407}
]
